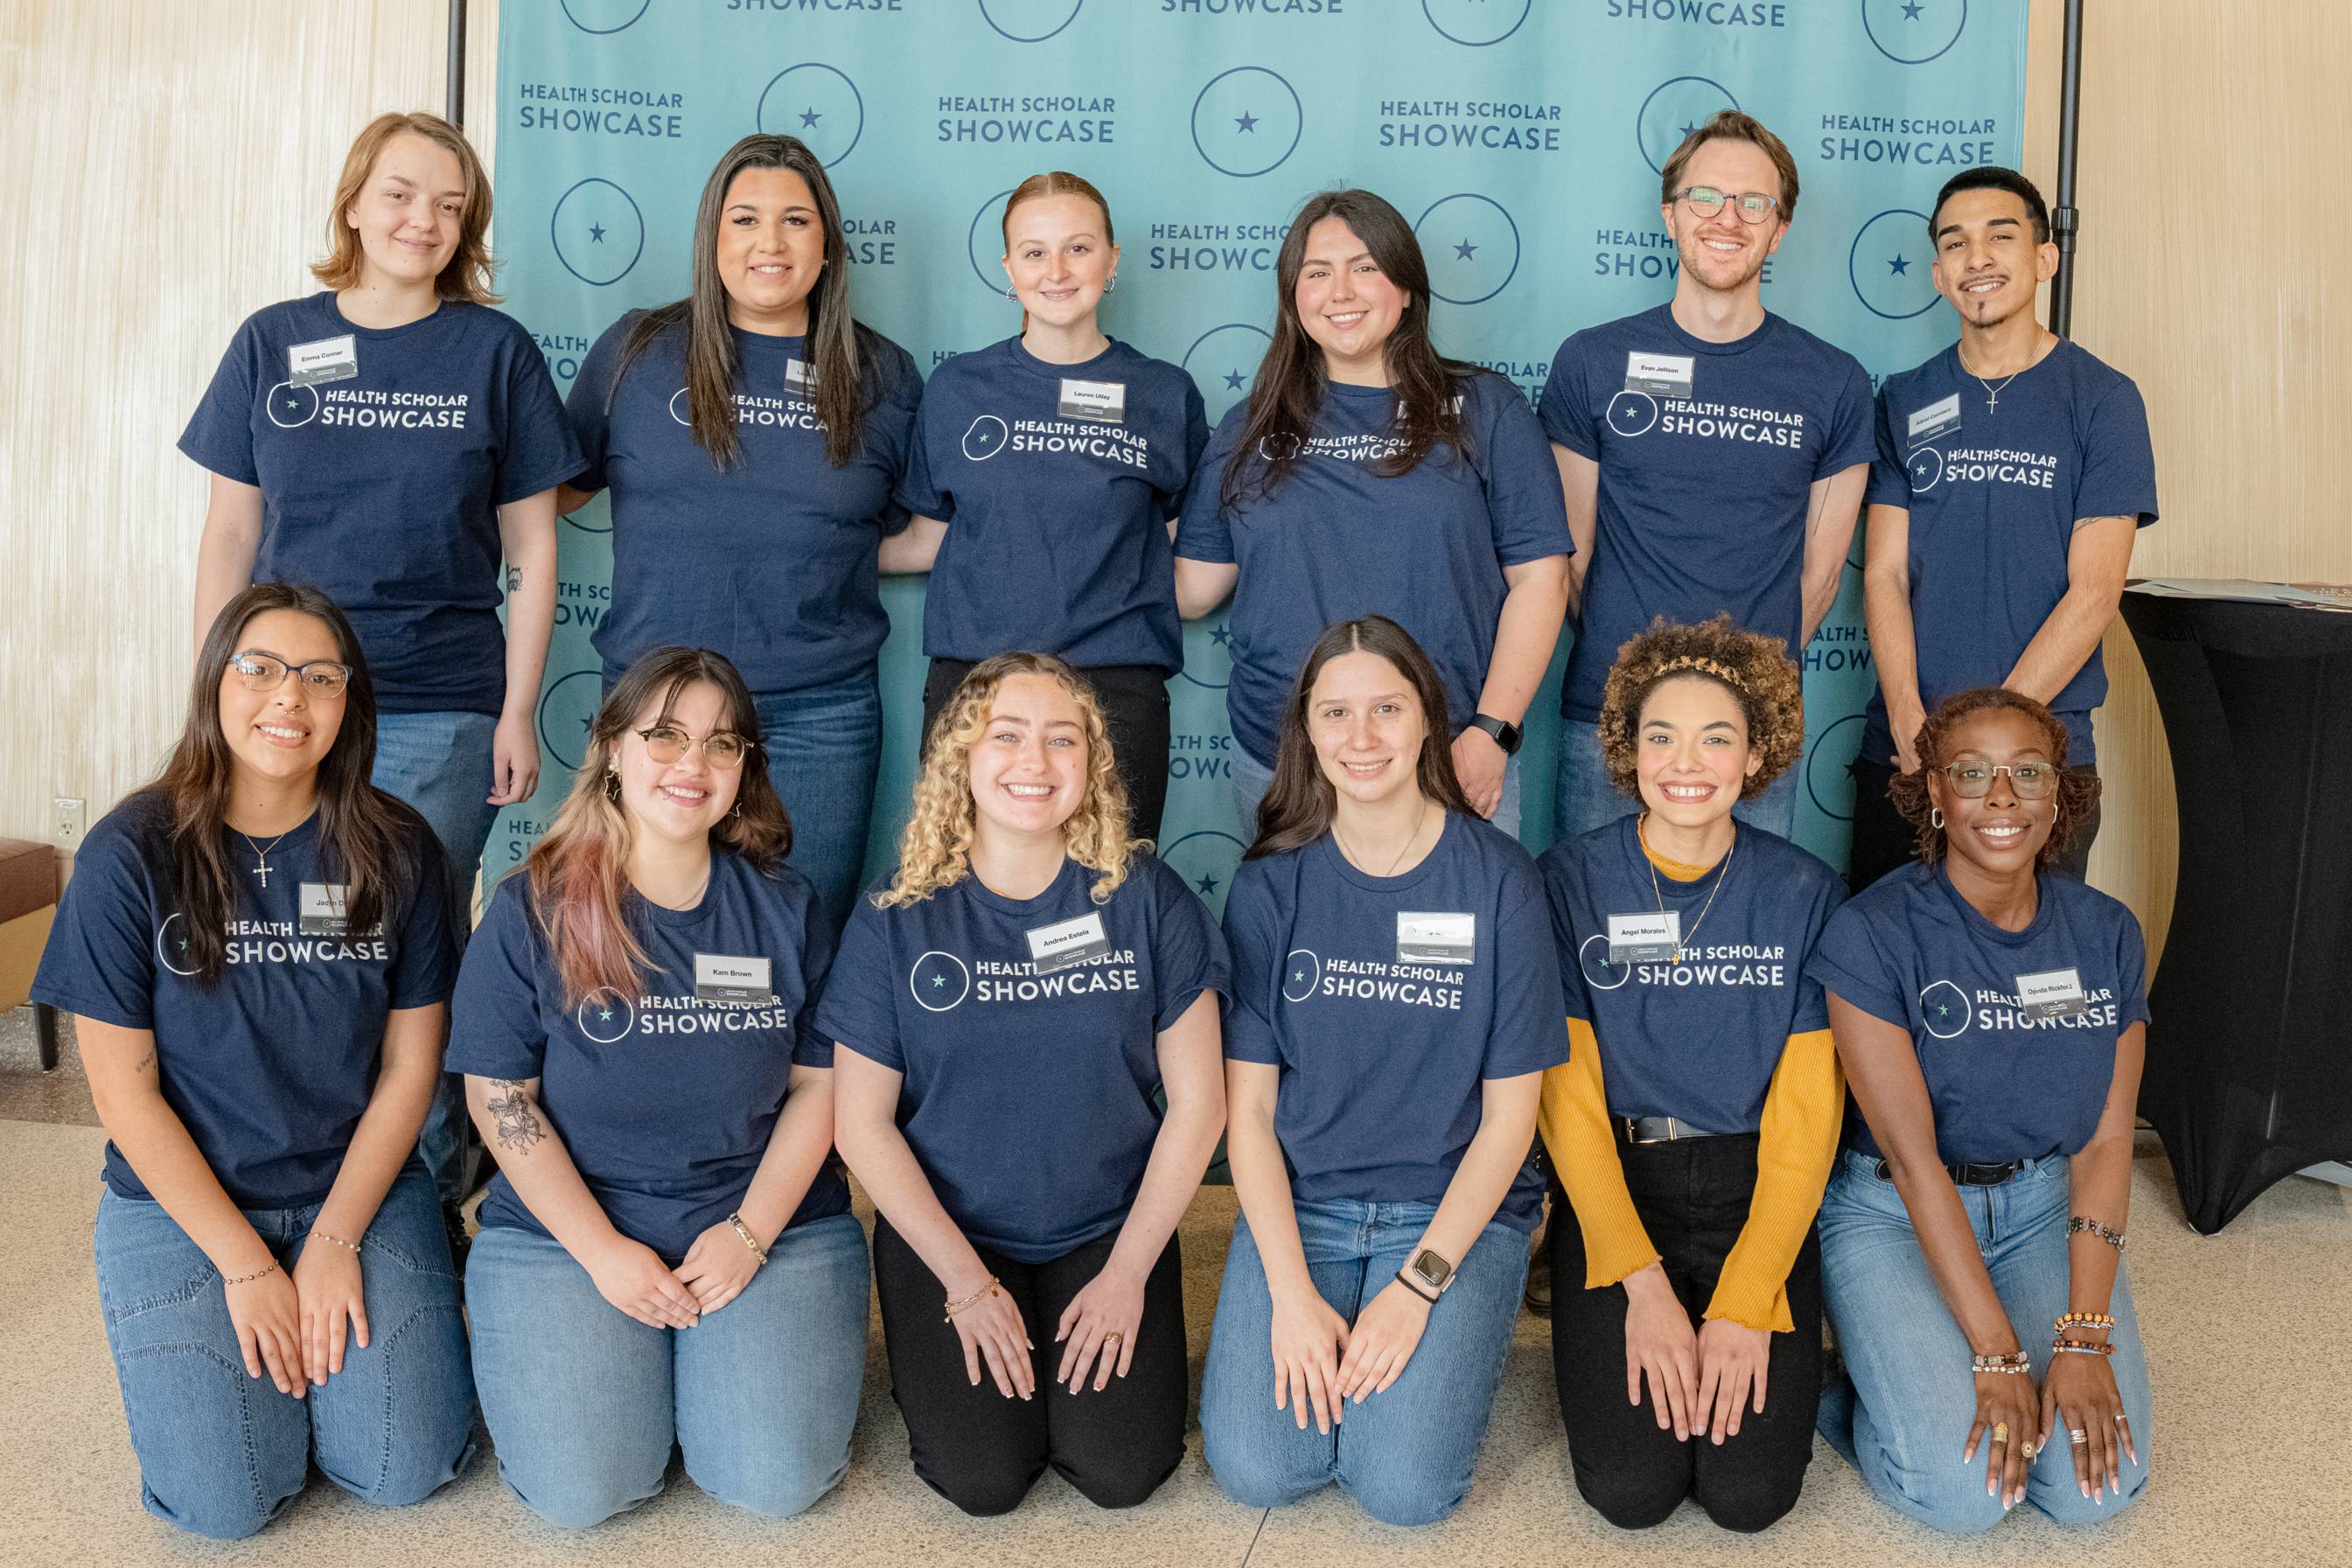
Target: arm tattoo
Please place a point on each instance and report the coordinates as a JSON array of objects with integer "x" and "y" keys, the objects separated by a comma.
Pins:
[
  {"x": 514, "y": 579},
  {"x": 518, "y": 1128},
  {"x": 144, "y": 1062}
]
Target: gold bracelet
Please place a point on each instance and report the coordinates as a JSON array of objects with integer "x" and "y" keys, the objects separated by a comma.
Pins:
[
  {"x": 954, "y": 1307},
  {"x": 248, "y": 1279},
  {"x": 750, "y": 1240},
  {"x": 329, "y": 1236}
]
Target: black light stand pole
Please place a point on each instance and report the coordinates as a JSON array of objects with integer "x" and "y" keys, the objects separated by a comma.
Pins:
[
  {"x": 2066, "y": 221},
  {"x": 455, "y": 109}
]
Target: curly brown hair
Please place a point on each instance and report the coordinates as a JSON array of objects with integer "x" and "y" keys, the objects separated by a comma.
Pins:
[
  {"x": 2078, "y": 788},
  {"x": 1754, "y": 668}
]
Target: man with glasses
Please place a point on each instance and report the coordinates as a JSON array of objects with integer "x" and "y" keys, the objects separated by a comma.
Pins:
[
  {"x": 2013, "y": 473},
  {"x": 1713, "y": 454}
]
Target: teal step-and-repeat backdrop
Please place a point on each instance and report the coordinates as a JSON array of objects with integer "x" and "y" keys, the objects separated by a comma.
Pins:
[{"x": 1523, "y": 136}]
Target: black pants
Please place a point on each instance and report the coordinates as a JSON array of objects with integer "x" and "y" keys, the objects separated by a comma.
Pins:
[
  {"x": 1135, "y": 703},
  {"x": 1883, "y": 841},
  {"x": 1693, "y": 1197},
  {"x": 982, "y": 1451}
]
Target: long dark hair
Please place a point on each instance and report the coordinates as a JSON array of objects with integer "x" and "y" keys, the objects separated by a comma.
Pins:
[
  {"x": 367, "y": 840},
  {"x": 579, "y": 871},
  {"x": 1290, "y": 382},
  {"x": 1296, "y": 807},
  {"x": 836, "y": 351}
]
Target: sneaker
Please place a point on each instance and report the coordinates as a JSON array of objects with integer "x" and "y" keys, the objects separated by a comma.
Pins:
[{"x": 1538, "y": 1296}]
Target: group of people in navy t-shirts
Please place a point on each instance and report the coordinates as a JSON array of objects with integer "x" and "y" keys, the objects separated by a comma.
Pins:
[{"x": 680, "y": 1026}]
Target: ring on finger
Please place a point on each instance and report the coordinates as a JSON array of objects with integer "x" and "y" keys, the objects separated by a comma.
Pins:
[
  {"x": 1113, "y": 1338},
  {"x": 2000, "y": 1431},
  {"x": 2077, "y": 1435}
]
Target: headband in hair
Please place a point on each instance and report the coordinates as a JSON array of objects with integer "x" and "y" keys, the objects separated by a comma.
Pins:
[{"x": 1723, "y": 673}]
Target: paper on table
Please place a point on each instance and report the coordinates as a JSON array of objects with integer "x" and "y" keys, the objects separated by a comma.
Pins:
[{"x": 2298, "y": 595}]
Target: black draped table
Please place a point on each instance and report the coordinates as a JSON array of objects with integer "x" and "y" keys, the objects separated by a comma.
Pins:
[{"x": 2250, "y": 1048}]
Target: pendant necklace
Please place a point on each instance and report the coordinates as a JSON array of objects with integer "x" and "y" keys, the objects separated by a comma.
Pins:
[
  {"x": 261, "y": 855},
  {"x": 1992, "y": 392},
  {"x": 1659, "y": 894},
  {"x": 1411, "y": 839}
]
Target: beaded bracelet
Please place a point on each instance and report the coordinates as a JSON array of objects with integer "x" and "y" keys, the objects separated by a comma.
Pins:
[
  {"x": 248, "y": 1279},
  {"x": 954, "y": 1307},
  {"x": 2080, "y": 1347},
  {"x": 326, "y": 1236},
  {"x": 2004, "y": 1363},
  {"x": 2083, "y": 1223},
  {"x": 750, "y": 1240},
  {"x": 2084, "y": 1320}
]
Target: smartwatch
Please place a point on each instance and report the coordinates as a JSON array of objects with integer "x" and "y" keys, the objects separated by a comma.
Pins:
[
  {"x": 1429, "y": 1273},
  {"x": 1506, "y": 736}
]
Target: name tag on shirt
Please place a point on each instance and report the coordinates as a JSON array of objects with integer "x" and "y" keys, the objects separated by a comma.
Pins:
[
  {"x": 2052, "y": 994},
  {"x": 1644, "y": 938},
  {"x": 720, "y": 978},
  {"x": 1423, "y": 938},
  {"x": 322, "y": 913},
  {"x": 1067, "y": 942},
  {"x": 799, "y": 377},
  {"x": 327, "y": 360},
  {"x": 1934, "y": 420},
  {"x": 1103, "y": 402},
  {"x": 1659, "y": 375}
]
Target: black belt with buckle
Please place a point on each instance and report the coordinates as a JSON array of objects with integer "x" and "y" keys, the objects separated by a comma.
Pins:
[
  {"x": 1978, "y": 1174},
  {"x": 1657, "y": 1130}
]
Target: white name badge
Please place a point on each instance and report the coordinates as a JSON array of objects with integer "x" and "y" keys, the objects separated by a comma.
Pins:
[
  {"x": 1659, "y": 375},
  {"x": 322, "y": 912},
  {"x": 328, "y": 360},
  {"x": 721, "y": 977},
  {"x": 1936, "y": 419},
  {"x": 1105, "y": 402},
  {"x": 1427, "y": 937},
  {"x": 2052, "y": 994},
  {"x": 799, "y": 377},
  {"x": 1644, "y": 938},
  {"x": 1067, "y": 942}
]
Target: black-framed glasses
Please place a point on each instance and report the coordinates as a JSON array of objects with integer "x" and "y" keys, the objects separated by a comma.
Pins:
[
  {"x": 1970, "y": 777},
  {"x": 1706, "y": 201},
  {"x": 722, "y": 748},
  {"x": 259, "y": 672}
]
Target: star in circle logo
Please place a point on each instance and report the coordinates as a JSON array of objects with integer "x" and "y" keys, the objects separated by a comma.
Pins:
[
  {"x": 1472, "y": 248},
  {"x": 291, "y": 407},
  {"x": 1477, "y": 23},
  {"x": 1676, "y": 108},
  {"x": 565, "y": 714},
  {"x": 939, "y": 981},
  {"x": 819, "y": 104},
  {"x": 1632, "y": 414},
  {"x": 986, "y": 438},
  {"x": 171, "y": 951},
  {"x": 1222, "y": 362},
  {"x": 680, "y": 409},
  {"x": 1943, "y": 1010},
  {"x": 1913, "y": 32},
  {"x": 1302, "y": 971},
  {"x": 1206, "y": 860},
  {"x": 1279, "y": 447},
  {"x": 1888, "y": 265},
  {"x": 597, "y": 231},
  {"x": 1246, "y": 121},
  {"x": 1829, "y": 768},
  {"x": 604, "y": 15},
  {"x": 606, "y": 1016},
  {"x": 984, "y": 243},
  {"x": 1601, "y": 974},
  {"x": 1030, "y": 21},
  {"x": 1925, "y": 467}
]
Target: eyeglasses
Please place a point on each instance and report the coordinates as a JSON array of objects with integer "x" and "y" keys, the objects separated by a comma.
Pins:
[
  {"x": 258, "y": 672},
  {"x": 1706, "y": 201},
  {"x": 722, "y": 748},
  {"x": 1971, "y": 779}
]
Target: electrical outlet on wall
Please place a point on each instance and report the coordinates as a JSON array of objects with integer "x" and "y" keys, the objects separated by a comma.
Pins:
[{"x": 69, "y": 820}]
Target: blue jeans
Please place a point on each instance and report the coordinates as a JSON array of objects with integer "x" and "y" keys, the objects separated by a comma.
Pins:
[
  {"x": 1584, "y": 797},
  {"x": 440, "y": 764},
  {"x": 824, "y": 752},
  {"x": 219, "y": 1452},
  {"x": 1251, "y": 783},
  {"x": 1405, "y": 1455},
  {"x": 584, "y": 1403},
  {"x": 1906, "y": 1412}
]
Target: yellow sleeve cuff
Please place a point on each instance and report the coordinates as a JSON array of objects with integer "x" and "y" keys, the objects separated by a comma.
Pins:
[
  {"x": 1795, "y": 1150},
  {"x": 1574, "y": 1120}
]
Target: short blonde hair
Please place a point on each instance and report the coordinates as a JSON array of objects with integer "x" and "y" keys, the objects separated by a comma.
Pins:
[
  {"x": 467, "y": 278},
  {"x": 934, "y": 851}
]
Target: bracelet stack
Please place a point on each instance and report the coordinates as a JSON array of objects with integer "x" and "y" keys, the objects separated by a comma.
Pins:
[
  {"x": 990, "y": 1289},
  {"x": 2088, "y": 1226},
  {"x": 2083, "y": 1319},
  {"x": 750, "y": 1240},
  {"x": 2065, "y": 1346},
  {"x": 2011, "y": 1364}
]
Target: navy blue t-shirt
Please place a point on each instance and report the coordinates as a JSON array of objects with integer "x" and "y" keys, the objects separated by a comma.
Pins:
[
  {"x": 1334, "y": 541},
  {"x": 1994, "y": 498},
  {"x": 382, "y": 488},
  {"x": 271, "y": 1065},
  {"x": 1910, "y": 950},
  {"x": 1058, "y": 482},
  {"x": 1383, "y": 1056},
  {"x": 1708, "y": 452},
  {"x": 1697, "y": 1040},
  {"x": 771, "y": 561},
  {"x": 1027, "y": 1096},
  {"x": 667, "y": 1099}
]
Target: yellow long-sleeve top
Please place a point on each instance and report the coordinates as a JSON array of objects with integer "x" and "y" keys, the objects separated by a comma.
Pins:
[{"x": 1797, "y": 1142}]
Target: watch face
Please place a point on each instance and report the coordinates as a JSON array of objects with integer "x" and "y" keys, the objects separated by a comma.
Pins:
[{"x": 1434, "y": 1270}]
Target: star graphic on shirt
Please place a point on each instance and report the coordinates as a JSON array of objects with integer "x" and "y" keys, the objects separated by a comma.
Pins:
[
  {"x": 1299, "y": 975},
  {"x": 1465, "y": 250},
  {"x": 1207, "y": 885},
  {"x": 596, "y": 234},
  {"x": 810, "y": 117},
  {"x": 938, "y": 981},
  {"x": 1911, "y": 11},
  {"x": 292, "y": 403},
  {"x": 604, "y": 1015},
  {"x": 1220, "y": 636},
  {"x": 1898, "y": 267},
  {"x": 1247, "y": 120},
  {"x": 184, "y": 944},
  {"x": 1232, "y": 380},
  {"x": 1943, "y": 1011}
]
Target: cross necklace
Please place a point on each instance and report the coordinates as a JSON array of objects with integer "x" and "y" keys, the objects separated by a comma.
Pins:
[
  {"x": 1992, "y": 392},
  {"x": 261, "y": 855}
]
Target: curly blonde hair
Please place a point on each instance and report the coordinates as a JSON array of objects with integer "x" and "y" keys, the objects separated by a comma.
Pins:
[
  {"x": 1754, "y": 668},
  {"x": 934, "y": 851}
]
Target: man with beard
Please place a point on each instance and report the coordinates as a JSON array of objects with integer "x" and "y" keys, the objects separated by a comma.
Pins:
[
  {"x": 2013, "y": 473},
  {"x": 1712, "y": 454}
]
